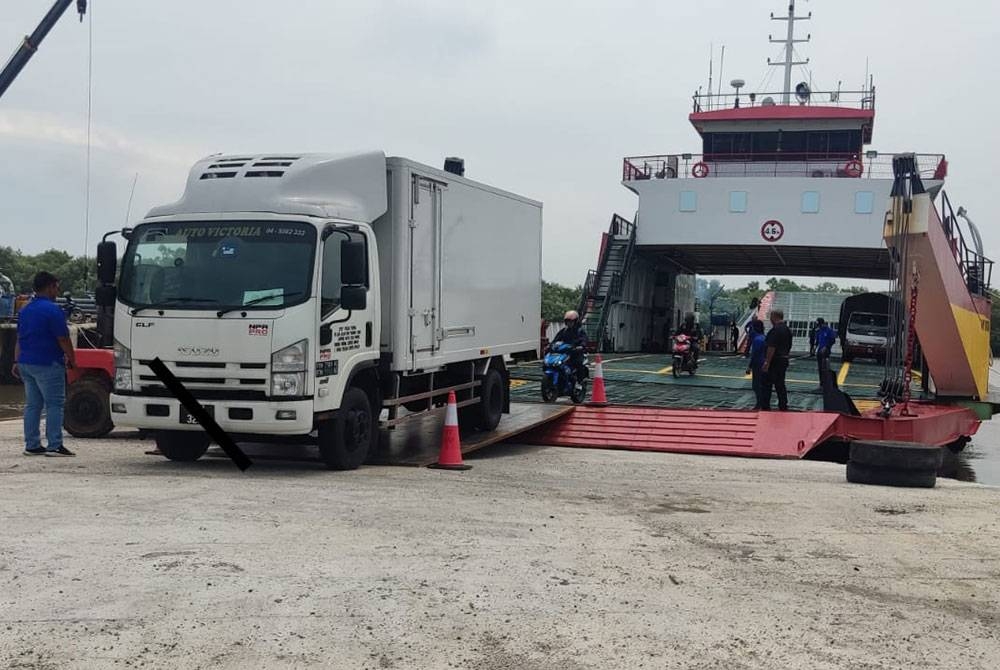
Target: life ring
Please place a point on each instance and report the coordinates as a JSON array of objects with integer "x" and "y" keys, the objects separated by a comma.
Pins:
[
  {"x": 854, "y": 168},
  {"x": 700, "y": 169}
]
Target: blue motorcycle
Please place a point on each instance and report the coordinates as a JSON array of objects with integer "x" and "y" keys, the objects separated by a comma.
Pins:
[{"x": 559, "y": 377}]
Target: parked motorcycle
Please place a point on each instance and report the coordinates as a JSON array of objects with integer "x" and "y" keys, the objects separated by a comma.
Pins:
[
  {"x": 684, "y": 360},
  {"x": 560, "y": 376}
]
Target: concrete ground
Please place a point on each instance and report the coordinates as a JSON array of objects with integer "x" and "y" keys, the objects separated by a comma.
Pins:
[{"x": 537, "y": 558}]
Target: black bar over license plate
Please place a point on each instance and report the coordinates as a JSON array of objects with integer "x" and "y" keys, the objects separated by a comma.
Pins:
[{"x": 189, "y": 420}]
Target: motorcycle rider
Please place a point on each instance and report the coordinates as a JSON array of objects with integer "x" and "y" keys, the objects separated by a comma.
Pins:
[
  {"x": 572, "y": 334},
  {"x": 692, "y": 329}
]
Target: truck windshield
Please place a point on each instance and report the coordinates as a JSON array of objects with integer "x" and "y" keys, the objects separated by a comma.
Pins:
[
  {"x": 869, "y": 324},
  {"x": 218, "y": 265}
]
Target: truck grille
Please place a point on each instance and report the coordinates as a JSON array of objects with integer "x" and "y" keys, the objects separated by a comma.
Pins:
[{"x": 209, "y": 380}]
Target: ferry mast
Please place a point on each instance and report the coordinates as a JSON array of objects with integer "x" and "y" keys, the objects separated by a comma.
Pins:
[{"x": 789, "y": 43}]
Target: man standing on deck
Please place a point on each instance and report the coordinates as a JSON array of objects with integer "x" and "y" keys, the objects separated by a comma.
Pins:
[
  {"x": 756, "y": 347},
  {"x": 750, "y": 329},
  {"x": 825, "y": 337},
  {"x": 43, "y": 353},
  {"x": 779, "y": 347}
]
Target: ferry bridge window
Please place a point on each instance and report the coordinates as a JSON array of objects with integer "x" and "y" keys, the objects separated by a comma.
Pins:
[
  {"x": 810, "y": 202},
  {"x": 864, "y": 202},
  {"x": 737, "y": 201},
  {"x": 688, "y": 201},
  {"x": 782, "y": 145}
]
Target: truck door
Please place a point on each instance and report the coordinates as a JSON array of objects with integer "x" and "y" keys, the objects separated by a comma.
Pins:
[{"x": 424, "y": 290}]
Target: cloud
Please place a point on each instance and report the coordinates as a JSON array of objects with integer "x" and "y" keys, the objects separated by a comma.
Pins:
[{"x": 19, "y": 125}]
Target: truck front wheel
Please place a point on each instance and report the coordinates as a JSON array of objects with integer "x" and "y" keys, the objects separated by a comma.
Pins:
[
  {"x": 182, "y": 445},
  {"x": 344, "y": 442},
  {"x": 87, "y": 410}
]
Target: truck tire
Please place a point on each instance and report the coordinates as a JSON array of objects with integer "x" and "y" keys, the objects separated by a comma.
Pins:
[
  {"x": 346, "y": 440},
  {"x": 180, "y": 445},
  {"x": 859, "y": 473},
  {"x": 88, "y": 410},
  {"x": 897, "y": 455},
  {"x": 485, "y": 415}
]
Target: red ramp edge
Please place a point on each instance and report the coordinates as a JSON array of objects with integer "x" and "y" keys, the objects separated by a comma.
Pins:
[{"x": 744, "y": 433}]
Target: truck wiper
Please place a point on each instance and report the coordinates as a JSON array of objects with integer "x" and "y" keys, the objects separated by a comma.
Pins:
[
  {"x": 169, "y": 303},
  {"x": 257, "y": 301}
]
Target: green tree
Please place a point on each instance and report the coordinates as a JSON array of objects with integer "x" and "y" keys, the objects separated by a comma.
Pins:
[
  {"x": 784, "y": 284},
  {"x": 558, "y": 299}
]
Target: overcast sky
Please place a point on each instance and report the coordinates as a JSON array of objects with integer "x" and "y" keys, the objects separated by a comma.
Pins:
[{"x": 541, "y": 98}]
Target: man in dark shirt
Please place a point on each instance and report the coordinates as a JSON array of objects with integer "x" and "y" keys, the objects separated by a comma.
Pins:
[
  {"x": 43, "y": 353},
  {"x": 779, "y": 346}
]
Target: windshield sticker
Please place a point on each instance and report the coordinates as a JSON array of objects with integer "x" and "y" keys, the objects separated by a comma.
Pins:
[
  {"x": 257, "y": 329},
  {"x": 228, "y": 248},
  {"x": 265, "y": 297}
]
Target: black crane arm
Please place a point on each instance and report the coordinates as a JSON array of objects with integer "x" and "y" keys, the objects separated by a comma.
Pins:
[{"x": 30, "y": 44}]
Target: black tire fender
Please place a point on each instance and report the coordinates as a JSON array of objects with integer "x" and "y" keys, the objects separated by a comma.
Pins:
[
  {"x": 897, "y": 455},
  {"x": 859, "y": 473}
]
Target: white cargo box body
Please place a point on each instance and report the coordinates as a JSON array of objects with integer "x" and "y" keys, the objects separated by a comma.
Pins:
[{"x": 460, "y": 269}]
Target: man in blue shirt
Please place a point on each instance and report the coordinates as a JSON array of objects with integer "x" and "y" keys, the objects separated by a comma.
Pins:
[
  {"x": 43, "y": 353},
  {"x": 755, "y": 351},
  {"x": 825, "y": 337}
]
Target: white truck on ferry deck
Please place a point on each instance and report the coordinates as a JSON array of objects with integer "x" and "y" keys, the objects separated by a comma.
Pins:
[{"x": 303, "y": 294}]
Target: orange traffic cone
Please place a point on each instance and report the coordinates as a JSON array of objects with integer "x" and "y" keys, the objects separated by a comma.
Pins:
[
  {"x": 450, "y": 456},
  {"x": 598, "y": 396}
]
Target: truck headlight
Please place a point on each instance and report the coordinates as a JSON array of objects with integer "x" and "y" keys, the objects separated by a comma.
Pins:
[
  {"x": 123, "y": 356},
  {"x": 123, "y": 367},
  {"x": 288, "y": 369},
  {"x": 288, "y": 383},
  {"x": 292, "y": 358}
]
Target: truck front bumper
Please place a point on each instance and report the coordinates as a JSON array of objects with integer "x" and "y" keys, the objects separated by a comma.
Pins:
[{"x": 292, "y": 417}]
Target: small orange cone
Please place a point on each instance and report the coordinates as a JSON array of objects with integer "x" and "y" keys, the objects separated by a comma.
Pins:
[
  {"x": 598, "y": 396},
  {"x": 450, "y": 456}
]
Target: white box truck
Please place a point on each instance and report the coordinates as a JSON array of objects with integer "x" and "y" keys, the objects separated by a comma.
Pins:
[{"x": 303, "y": 294}]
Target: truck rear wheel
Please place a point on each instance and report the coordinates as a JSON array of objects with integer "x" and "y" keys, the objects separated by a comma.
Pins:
[
  {"x": 485, "y": 415},
  {"x": 179, "y": 445},
  {"x": 345, "y": 441},
  {"x": 88, "y": 411}
]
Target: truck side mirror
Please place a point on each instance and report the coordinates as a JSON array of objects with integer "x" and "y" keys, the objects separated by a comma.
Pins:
[
  {"x": 107, "y": 262},
  {"x": 105, "y": 296},
  {"x": 353, "y": 298},
  {"x": 353, "y": 263}
]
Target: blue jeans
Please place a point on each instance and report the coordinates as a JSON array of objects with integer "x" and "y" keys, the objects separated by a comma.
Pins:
[{"x": 44, "y": 386}]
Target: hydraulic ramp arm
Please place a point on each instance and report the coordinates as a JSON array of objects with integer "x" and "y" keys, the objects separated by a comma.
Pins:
[
  {"x": 951, "y": 309},
  {"x": 31, "y": 42}
]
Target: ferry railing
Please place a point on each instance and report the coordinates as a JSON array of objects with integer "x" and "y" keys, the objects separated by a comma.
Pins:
[
  {"x": 977, "y": 270},
  {"x": 589, "y": 285},
  {"x": 708, "y": 102},
  {"x": 869, "y": 165}
]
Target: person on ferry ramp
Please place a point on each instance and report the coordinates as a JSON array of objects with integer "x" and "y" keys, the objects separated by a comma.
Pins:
[
  {"x": 825, "y": 338},
  {"x": 756, "y": 348},
  {"x": 779, "y": 347},
  {"x": 572, "y": 334},
  {"x": 692, "y": 329}
]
